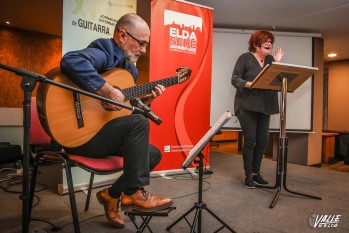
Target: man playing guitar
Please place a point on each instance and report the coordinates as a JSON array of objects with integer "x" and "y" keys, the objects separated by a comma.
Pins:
[{"x": 127, "y": 136}]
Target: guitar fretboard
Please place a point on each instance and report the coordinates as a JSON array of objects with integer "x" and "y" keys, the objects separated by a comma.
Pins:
[{"x": 144, "y": 89}]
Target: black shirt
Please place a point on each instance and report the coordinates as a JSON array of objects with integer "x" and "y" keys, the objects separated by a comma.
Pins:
[{"x": 246, "y": 69}]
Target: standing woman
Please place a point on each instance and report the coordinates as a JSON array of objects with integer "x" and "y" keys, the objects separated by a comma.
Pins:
[{"x": 253, "y": 107}]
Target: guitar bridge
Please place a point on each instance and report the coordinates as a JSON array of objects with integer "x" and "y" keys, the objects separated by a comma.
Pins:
[{"x": 78, "y": 110}]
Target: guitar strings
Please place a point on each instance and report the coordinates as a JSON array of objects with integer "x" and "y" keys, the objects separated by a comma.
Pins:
[{"x": 89, "y": 103}]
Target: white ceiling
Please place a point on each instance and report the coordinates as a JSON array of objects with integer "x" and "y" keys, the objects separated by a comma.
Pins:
[{"x": 330, "y": 18}]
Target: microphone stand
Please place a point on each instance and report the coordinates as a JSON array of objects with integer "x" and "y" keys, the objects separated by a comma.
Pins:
[{"x": 29, "y": 80}]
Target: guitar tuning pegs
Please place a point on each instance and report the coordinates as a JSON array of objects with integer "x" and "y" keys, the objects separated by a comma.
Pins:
[{"x": 180, "y": 69}]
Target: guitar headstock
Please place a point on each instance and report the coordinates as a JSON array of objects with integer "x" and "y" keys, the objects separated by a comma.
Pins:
[{"x": 183, "y": 74}]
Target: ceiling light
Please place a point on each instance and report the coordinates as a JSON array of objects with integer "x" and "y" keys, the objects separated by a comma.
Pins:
[
  {"x": 332, "y": 55},
  {"x": 7, "y": 22}
]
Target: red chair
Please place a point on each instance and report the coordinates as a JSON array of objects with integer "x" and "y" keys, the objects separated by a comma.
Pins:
[{"x": 40, "y": 144}]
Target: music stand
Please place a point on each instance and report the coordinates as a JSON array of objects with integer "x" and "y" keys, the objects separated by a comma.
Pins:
[
  {"x": 196, "y": 152},
  {"x": 285, "y": 78}
]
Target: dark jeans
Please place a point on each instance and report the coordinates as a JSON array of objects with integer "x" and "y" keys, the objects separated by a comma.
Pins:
[
  {"x": 127, "y": 137},
  {"x": 255, "y": 129}
]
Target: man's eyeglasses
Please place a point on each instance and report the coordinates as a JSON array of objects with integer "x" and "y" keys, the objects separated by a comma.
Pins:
[{"x": 141, "y": 43}]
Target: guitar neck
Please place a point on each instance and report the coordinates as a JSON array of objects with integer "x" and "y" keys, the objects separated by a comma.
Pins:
[{"x": 145, "y": 89}]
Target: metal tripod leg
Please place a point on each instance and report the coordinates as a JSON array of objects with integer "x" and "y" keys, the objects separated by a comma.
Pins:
[
  {"x": 290, "y": 191},
  {"x": 282, "y": 152},
  {"x": 199, "y": 206}
]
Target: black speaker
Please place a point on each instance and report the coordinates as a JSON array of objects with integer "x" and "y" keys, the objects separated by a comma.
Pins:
[{"x": 10, "y": 153}]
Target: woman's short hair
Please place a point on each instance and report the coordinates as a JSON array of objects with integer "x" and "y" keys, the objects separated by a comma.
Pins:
[{"x": 259, "y": 37}]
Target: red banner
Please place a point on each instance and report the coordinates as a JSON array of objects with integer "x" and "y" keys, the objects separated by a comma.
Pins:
[{"x": 181, "y": 36}]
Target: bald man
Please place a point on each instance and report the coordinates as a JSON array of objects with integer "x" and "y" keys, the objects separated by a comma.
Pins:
[{"x": 127, "y": 136}]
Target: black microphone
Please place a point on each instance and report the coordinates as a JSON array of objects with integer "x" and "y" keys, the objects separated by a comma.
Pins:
[{"x": 137, "y": 102}]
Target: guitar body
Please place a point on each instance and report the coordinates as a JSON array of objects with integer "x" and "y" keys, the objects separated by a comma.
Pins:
[
  {"x": 57, "y": 110},
  {"x": 73, "y": 119}
]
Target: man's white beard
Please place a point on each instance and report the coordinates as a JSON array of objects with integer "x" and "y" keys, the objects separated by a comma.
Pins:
[{"x": 131, "y": 58}]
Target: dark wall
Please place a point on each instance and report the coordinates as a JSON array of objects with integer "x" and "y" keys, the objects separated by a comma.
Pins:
[{"x": 27, "y": 50}]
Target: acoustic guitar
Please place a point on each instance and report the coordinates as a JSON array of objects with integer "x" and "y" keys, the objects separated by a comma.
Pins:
[{"x": 72, "y": 119}]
